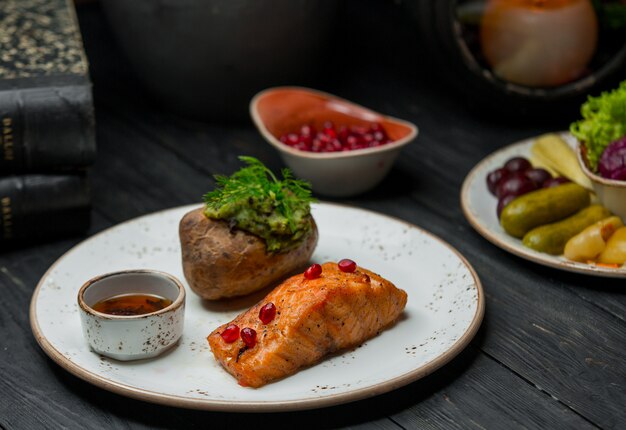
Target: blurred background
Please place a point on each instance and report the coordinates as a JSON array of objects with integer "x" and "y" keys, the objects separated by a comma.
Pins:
[
  {"x": 206, "y": 59},
  {"x": 183, "y": 72}
]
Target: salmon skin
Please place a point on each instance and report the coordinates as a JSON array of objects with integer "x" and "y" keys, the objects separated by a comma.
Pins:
[{"x": 314, "y": 317}]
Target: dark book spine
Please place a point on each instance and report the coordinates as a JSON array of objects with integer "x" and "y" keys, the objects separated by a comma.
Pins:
[
  {"x": 46, "y": 128},
  {"x": 35, "y": 207}
]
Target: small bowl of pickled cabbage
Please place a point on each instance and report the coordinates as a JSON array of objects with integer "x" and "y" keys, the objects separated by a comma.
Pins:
[{"x": 611, "y": 192}]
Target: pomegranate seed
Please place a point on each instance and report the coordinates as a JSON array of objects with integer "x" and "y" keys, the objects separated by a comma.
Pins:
[
  {"x": 324, "y": 138},
  {"x": 343, "y": 132},
  {"x": 313, "y": 272},
  {"x": 307, "y": 130},
  {"x": 378, "y": 128},
  {"x": 248, "y": 336},
  {"x": 267, "y": 313},
  {"x": 230, "y": 333},
  {"x": 347, "y": 265},
  {"x": 332, "y": 139},
  {"x": 316, "y": 146},
  {"x": 302, "y": 146}
]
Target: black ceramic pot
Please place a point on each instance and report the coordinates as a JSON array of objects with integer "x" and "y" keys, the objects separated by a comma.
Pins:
[
  {"x": 207, "y": 58},
  {"x": 451, "y": 31}
]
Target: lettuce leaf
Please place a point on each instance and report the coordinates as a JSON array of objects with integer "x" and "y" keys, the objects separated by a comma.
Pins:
[{"x": 604, "y": 121}]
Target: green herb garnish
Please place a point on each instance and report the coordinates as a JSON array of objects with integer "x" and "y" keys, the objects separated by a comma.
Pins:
[
  {"x": 255, "y": 200},
  {"x": 604, "y": 121}
]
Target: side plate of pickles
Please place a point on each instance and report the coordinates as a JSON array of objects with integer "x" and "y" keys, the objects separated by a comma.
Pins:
[{"x": 517, "y": 200}]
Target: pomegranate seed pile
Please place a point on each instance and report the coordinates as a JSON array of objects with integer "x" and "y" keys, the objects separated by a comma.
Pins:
[{"x": 331, "y": 139}]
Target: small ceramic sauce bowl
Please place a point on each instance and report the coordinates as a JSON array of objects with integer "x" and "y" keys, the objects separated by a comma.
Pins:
[
  {"x": 132, "y": 337},
  {"x": 281, "y": 110},
  {"x": 610, "y": 192}
]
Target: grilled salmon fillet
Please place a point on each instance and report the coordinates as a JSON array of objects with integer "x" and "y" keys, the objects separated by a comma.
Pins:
[{"x": 314, "y": 317}]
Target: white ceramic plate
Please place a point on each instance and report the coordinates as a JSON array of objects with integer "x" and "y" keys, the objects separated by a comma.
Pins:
[
  {"x": 444, "y": 310},
  {"x": 479, "y": 207}
]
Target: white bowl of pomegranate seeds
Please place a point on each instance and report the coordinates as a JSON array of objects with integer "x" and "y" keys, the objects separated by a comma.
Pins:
[{"x": 342, "y": 148}]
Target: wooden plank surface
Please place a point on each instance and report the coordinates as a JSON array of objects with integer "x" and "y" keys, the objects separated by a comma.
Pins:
[
  {"x": 550, "y": 354},
  {"x": 486, "y": 395}
]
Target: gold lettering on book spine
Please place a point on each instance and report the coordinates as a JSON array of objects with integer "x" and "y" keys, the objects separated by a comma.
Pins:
[
  {"x": 7, "y": 217},
  {"x": 7, "y": 139}
]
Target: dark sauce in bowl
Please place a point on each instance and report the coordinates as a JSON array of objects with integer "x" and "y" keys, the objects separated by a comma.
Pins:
[{"x": 132, "y": 304}]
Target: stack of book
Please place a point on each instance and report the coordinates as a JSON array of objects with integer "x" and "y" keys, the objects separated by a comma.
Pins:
[{"x": 47, "y": 127}]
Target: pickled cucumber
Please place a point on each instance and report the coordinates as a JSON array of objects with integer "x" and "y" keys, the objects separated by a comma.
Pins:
[
  {"x": 551, "y": 238},
  {"x": 542, "y": 207}
]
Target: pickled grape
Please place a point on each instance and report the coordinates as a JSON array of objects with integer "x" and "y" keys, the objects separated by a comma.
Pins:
[
  {"x": 503, "y": 202},
  {"x": 494, "y": 177},
  {"x": 516, "y": 184},
  {"x": 517, "y": 164},
  {"x": 555, "y": 182},
  {"x": 538, "y": 175}
]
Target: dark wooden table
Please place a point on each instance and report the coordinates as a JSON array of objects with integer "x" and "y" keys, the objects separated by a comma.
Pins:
[{"x": 551, "y": 352}]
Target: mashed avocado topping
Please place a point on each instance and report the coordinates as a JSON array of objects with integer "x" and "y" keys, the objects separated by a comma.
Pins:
[{"x": 254, "y": 200}]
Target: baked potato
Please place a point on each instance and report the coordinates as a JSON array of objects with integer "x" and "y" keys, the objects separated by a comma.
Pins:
[
  {"x": 220, "y": 261},
  {"x": 253, "y": 231}
]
